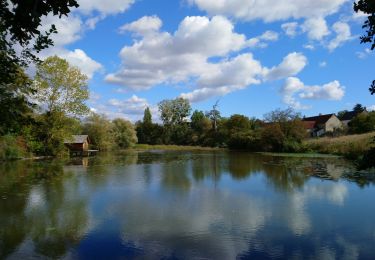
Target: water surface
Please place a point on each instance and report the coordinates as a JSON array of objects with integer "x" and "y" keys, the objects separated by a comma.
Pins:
[{"x": 186, "y": 205}]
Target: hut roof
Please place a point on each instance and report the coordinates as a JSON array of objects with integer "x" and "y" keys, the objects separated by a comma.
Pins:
[
  {"x": 319, "y": 120},
  {"x": 76, "y": 139}
]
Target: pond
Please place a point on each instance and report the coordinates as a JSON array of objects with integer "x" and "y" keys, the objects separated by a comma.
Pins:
[{"x": 186, "y": 205}]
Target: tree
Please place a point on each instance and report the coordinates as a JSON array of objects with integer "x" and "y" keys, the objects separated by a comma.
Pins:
[
  {"x": 240, "y": 132},
  {"x": 15, "y": 107},
  {"x": 284, "y": 131},
  {"x": 214, "y": 115},
  {"x": 368, "y": 7},
  {"x": 359, "y": 108},
  {"x": 20, "y": 28},
  {"x": 147, "y": 118},
  {"x": 99, "y": 129},
  {"x": 61, "y": 87},
  {"x": 124, "y": 133},
  {"x": 174, "y": 111},
  {"x": 362, "y": 123},
  {"x": 200, "y": 126}
]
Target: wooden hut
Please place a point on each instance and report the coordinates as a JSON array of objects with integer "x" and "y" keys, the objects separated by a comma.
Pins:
[{"x": 78, "y": 144}]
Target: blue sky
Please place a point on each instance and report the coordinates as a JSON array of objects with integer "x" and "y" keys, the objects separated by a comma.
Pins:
[{"x": 253, "y": 56}]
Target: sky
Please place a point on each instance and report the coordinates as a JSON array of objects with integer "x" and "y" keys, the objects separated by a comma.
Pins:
[{"x": 251, "y": 56}]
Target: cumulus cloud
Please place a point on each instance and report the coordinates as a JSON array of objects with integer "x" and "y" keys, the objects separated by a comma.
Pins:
[
  {"x": 70, "y": 30},
  {"x": 316, "y": 28},
  {"x": 170, "y": 58},
  {"x": 158, "y": 57},
  {"x": 104, "y": 7},
  {"x": 143, "y": 26},
  {"x": 81, "y": 60},
  {"x": 290, "y": 29},
  {"x": 291, "y": 65},
  {"x": 131, "y": 108},
  {"x": 295, "y": 87},
  {"x": 363, "y": 54},
  {"x": 269, "y": 10},
  {"x": 323, "y": 64},
  {"x": 343, "y": 34}
]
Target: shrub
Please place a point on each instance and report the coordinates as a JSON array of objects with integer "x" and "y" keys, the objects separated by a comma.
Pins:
[{"x": 12, "y": 147}]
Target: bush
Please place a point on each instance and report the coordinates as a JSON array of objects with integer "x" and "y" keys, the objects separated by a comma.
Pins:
[{"x": 12, "y": 147}]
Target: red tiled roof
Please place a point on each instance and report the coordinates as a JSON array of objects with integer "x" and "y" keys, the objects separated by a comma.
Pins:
[
  {"x": 309, "y": 124},
  {"x": 321, "y": 119}
]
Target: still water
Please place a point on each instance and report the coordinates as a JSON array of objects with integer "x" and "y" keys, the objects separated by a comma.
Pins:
[{"x": 186, "y": 205}]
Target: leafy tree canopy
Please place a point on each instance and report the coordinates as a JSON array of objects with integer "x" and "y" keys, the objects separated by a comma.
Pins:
[
  {"x": 174, "y": 111},
  {"x": 368, "y": 7},
  {"x": 61, "y": 87}
]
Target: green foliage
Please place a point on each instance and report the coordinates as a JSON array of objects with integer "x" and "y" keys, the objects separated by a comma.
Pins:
[
  {"x": 54, "y": 128},
  {"x": 241, "y": 132},
  {"x": 174, "y": 111},
  {"x": 15, "y": 109},
  {"x": 12, "y": 147},
  {"x": 359, "y": 108},
  {"x": 147, "y": 118},
  {"x": 99, "y": 128},
  {"x": 61, "y": 87},
  {"x": 124, "y": 133},
  {"x": 284, "y": 131},
  {"x": 200, "y": 126},
  {"x": 20, "y": 25},
  {"x": 362, "y": 123},
  {"x": 368, "y": 7}
]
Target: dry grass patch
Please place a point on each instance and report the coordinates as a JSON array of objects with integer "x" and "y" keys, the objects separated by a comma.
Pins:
[{"x": 351, "y": 146}]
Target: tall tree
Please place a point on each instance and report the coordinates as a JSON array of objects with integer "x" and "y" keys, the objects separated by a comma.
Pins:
[
  {"x": 359, "y": 108},
  {"x": 61, "y": 87},
  {"x": 123, "y": 133},
  {"x": 368, "y": 7},
  {"x": 147, "y": 118},
  {"x": 99, "y": 128},
  {"x": 214, "y": 115},
  {"x": 174, "y": 111}
]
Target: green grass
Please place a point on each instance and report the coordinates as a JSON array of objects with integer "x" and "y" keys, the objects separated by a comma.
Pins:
[
  {"x": 302, "y": 155},
  {"x": 350, "y": 146},
  {"x": 173, "y": 147}
]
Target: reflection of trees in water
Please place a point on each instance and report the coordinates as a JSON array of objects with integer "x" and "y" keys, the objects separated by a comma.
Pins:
[
  {"x": 242, "y": 165},
  {"x": 43, "y": 205},
  {"x": 175, "y": 175}
]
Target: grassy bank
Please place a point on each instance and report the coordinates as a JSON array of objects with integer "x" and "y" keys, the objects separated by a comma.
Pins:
[
  {"x": 173, "y": 147},
  {"x": 350, "y": 146}
]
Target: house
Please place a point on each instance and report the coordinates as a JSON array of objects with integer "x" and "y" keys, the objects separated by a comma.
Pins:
[
  {"x": 78, "y": 144},
  {"x": 349, "y": 115},
  {"x": 322, "y": 124}
]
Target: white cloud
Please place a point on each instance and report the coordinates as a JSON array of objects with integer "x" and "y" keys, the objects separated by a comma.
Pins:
[
  {"x": 294, "y": 86},
  {"x": 316, "y": 28},
  {"x": 309, "y": 47},
  {"x": 269, "y": 10},
  {"x": 291, "y": 65},
  {"x": 69, "y": 29},
  {"x": 371, "y": 108},
  {"x": 343, "y": 34},
  {"x": 104, "y": 7},
  {"x": 80, "y": 59},
  {"x": 363, "y": 54},
  {"x": 143, "y": 26},
  {"x": 323, "y": 64},
  {"x": 170, "y": 58},
  {"x": 131, "y": 108},
  {"x": 290, "y": 29}
]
